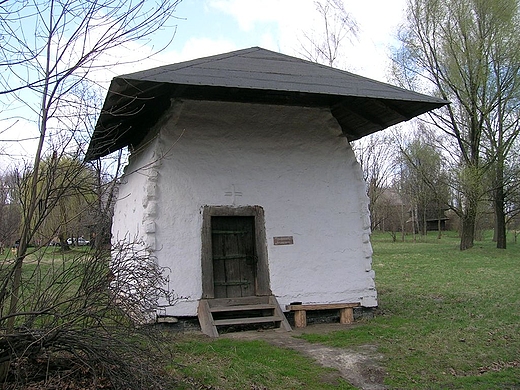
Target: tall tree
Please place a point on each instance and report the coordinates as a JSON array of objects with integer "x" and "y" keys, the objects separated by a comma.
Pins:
[
  {"x": 72, "y": 193},
  {"x": 9, "y": 210},
  {"x": 48, "y": 50},
  {"x": 49, "y": 53},
  {"x": 375, "y": 155},
  {"x": 512, "y": 189},
  {"x": 424, "y": 180},
  {"x": 465, "y": 51}
]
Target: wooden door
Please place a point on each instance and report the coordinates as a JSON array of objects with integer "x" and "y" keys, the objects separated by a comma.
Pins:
[{"x": 233, "y": 255}]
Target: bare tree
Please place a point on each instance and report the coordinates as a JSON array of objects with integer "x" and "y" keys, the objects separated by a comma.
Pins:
[
  {"x": 10, "y": 215},
  {"x": 106, "y": 195},
  {"x": 512, "y": 192},
  {"x": 50, "y": 52},
  {"x": 69, "y": 187},
  {"x": 466, "y": 52},
  {"x": 323, "y": 46},
  {"x": 425, "y": 180},
  {"x": 73, "y": 313},
  {"x": 501, "y": 131},
  {"x": 376, "y": 154}
]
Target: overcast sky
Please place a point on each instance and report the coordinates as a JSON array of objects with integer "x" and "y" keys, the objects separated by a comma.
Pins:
[{"x": 207, "y": 27}]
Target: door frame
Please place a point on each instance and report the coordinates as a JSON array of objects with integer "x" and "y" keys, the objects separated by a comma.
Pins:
[{"x": 262, "y": 284}]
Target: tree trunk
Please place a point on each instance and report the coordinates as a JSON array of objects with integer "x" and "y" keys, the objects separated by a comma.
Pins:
[
  {"x": 495, "y": 231},
  {"x": 467, "y": 237},
  {"x": 439, "y": 226},
  {"x": 402, "y": 223},
  {"x": 424, "y": 224},
  {"x": 414, "y": 223},
  {"x": 63, "y": 242},
  {"x": 499, "y": 199},
  {"x": 500, "y": 218}
]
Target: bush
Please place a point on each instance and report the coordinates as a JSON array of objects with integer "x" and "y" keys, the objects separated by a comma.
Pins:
[{"x": 80, "y": 315}]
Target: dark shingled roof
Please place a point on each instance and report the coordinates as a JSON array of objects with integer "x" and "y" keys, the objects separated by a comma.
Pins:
[{"x": 361, "y": 106}]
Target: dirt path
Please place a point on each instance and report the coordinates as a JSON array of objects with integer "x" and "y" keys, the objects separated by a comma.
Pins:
[{"x": 359, "y": 366}]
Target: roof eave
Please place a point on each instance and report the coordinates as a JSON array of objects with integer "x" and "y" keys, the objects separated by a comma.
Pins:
[{"x": 132, "y": 107}]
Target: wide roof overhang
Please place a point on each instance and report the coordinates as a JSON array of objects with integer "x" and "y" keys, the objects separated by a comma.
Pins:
[{"x": 361, "y": 106}]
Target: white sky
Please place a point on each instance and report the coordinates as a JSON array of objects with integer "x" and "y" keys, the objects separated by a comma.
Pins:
[
  {"x": 217, "y": 26},
  {"x": 207, "y": 27}
]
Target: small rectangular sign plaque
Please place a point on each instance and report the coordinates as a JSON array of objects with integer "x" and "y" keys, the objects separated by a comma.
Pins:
[{"x": 283, "y": 240}]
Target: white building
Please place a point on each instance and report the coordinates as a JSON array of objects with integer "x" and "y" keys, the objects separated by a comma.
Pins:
[{"x": 241, "y": 179}]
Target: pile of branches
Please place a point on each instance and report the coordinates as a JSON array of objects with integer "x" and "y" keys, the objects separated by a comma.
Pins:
[
  {"x": 83, "y": 360},
  {"x": 79, "y": 322}
]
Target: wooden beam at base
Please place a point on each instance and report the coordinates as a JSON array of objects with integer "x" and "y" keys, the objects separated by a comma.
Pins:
[
  {"x": 300, "y": 318},
  {"x": 346, "y": 315},
  {"x": 346, "y": 312}
]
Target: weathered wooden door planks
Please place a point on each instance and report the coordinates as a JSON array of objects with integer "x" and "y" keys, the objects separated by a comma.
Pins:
[{"x": 233, "y": 255}]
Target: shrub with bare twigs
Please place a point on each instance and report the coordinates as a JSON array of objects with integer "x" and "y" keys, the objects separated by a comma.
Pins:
[{"x": 81, "y": 316}]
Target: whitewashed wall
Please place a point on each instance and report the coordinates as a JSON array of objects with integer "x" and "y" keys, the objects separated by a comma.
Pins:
[
  {"x": 292, "y": 161},
  {"x": 135, "y": 209}
]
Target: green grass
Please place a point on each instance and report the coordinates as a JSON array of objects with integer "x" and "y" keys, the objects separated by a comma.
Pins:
[
  {"x": 46, "y": 254},
  {"x": 231, "y": 364},
  {"x": 52, "y": 278},
  {"x": 446, "y": 320}
]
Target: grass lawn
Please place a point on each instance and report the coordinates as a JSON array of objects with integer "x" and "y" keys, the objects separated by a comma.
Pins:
[
  {"x": 446, "y": 319},
  {"x": 231, "y": 364}
]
